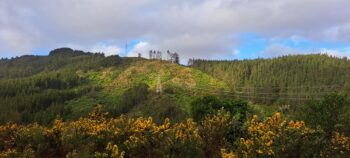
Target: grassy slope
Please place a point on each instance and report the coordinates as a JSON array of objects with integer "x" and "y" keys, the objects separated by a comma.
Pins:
[
  {"x": 181, "y": 80},
  {"x": 179, "y": 83}
]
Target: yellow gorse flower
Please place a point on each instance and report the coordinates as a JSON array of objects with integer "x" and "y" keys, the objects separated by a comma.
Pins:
[
  {"x": 225, "y": 154},
  {"x": 265, "y": 134},
  {"x": 340, "y": 143},
  {"x": 132, "y": 137}
]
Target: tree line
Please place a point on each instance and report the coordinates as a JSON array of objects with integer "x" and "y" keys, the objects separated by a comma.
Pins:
[
  {"x": 287, "y": 79},
  {"x": 36, "y": 88},
  {"x": 171, "y": 57}
]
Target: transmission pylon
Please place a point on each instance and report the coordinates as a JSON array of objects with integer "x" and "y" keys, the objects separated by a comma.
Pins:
[{"x": 159, "y": 86}]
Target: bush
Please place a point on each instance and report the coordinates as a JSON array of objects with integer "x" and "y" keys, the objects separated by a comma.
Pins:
[
  {"x": 130, "y": 98},
  {"x": 330, "y": 114},
  {"x": 277, "y": 137},
  {"x": 209, "y": 105},
  {"x": 214, "y": 131}
]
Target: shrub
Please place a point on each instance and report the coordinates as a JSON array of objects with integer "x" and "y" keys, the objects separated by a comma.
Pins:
[
  {"x": 330, "y": 114},
  {"x": 277, "y": 137},
  {"x": 214, "y": 131},
  {"x": 209, "y": 105}
]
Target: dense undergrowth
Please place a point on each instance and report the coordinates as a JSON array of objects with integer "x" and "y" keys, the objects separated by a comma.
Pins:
[{"x": 213, "y": 136}]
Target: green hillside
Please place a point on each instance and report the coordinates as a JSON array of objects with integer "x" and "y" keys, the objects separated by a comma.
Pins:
[
  {"x": 70, "y": 83},
  {"x": 122, "y": 88},
  {"x": 79, "y": 104},
  {"x": 287, "y": 79}
]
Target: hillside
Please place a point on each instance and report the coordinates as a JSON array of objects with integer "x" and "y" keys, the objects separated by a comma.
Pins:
[
  {"x": 287, "y": 79},
  {"x": 70, "y": 83},
  {"x": 78, "y": 104},
  {"x": 58, "y": 59}
]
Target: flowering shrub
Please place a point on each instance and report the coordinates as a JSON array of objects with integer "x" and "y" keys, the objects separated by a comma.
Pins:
[
  {"x": 225, "y": 154},
  {"x": 97, "y": 136},
  {"x": 100, "y": 136},
  {"x": 273, "y": 137},
  {"x": 277, "y": 137},
  {"x": 340, "y": 144},
  {"x": 111, "y": 151},
  {"x": 8, "y": 137},
  {"x": 214, "y": 131}
]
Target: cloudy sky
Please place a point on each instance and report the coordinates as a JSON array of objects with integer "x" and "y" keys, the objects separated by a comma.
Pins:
[{"x": 215, "y": 29}]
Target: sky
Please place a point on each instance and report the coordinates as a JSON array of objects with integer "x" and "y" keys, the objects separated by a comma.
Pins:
[{"x": 207, "y": 29}]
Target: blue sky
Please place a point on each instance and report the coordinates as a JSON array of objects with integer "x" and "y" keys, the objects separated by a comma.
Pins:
[
  {"x": 209, "y": 29},
  {"x": 253, "y": 46}
]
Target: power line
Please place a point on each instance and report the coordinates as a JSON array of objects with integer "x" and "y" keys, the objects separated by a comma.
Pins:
[
  {"x": 286, "y": 87},
  {"x": 254, "y": 95},
  {"x": 258, "y": 97},
  {"x": 289, "y": 93}
]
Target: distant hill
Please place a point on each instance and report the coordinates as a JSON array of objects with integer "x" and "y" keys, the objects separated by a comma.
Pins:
[
  {"x": 287, "y": 79},
  {"x": 63, "y": 58},
  {"x": 70, "y": 83}
]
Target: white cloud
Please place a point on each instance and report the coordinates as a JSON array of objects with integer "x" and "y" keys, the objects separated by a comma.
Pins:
[
  {"x": 194, "y": 28},
  {"x": 236, "y": 52},
  {"x": 108, "y": 50},
  {"x": 14, "y": 41},
  {"x": 275, "y": 50},
  {"x": 295, "y": 39},
  {"x": 341, "y": 32},
  {"x": 345, "y": 52},
  {"x": 141, "y": 47}
]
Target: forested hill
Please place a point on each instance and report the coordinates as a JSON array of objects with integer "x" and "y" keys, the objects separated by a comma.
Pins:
[
  {"x": 36, "y": 88},
  {"x": 57, "y": 59},
  {"x": 69, "y": 83},
  {"x": 285, "y": 79}
]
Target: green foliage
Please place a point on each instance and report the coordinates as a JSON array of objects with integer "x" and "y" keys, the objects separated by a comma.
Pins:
[
  {"x": 278, "y": 137},
  {"x": 57, "y": 60},
  {"x": 69, "y": 83},
  {"x": 208, "y": 105},
  {"x": 204, "y": 106},
  {"x": 238, "y": 109},
  {"x": 330, "y": 114},
  {"x": 101, "y": 136},
  {"x": 160, "y": 108},
  {"x": 283, "y": 80},
  {"x": 130, "y": 98},
  {"x": 37, "y": 88},
  {"x": 215, "y": 132}
]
